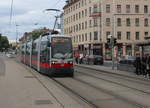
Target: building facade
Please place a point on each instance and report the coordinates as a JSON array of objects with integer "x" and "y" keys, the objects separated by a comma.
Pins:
[{"x": 90, "y": 22}]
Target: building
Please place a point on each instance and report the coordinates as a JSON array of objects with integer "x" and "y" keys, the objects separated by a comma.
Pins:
[{"x": 90, "y": 22}]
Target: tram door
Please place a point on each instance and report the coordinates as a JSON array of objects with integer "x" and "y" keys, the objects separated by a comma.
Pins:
[{"x": 44, "y": 57}]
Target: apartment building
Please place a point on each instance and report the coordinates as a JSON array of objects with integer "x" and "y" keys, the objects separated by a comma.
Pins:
[{"x": 90, "y": 22}]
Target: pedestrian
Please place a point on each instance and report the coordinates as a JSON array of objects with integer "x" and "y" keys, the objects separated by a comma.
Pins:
[
  {"x": 81, "y": 57},
  {"x": 143, "y": 65},
  {"x": 148, "y": 66},
  {"x": 138, "y": 64},
  {"x": 77, "y": 58}
]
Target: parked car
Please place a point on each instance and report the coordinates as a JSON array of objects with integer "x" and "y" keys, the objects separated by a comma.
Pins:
[
  {"x": 93, "y": 59},
  {"x": 128, "y": 60},
  {"x": 85, "y": 59}
]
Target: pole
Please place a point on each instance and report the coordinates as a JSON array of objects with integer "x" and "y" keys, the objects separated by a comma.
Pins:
[
  {"x": 16, "y": 34},
  {"x": 55, "y": 22},
  {"x": 113, "y": 33}
]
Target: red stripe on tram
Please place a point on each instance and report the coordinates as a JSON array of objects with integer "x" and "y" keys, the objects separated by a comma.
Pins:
[{"x": 47, "y": 65}]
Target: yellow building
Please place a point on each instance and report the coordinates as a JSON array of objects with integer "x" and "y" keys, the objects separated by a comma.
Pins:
[{"x": 90, "y": 22}]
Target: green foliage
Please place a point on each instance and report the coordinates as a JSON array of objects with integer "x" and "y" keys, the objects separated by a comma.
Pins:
[
  {"x": 4, "y": 43},
  {"x": 37, "y": 33}
]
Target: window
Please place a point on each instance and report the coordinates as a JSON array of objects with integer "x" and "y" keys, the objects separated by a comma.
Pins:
[
  {"x": 90, "y": 10},
  {"x": 90, "y": 23},
  {"x": 76, "y": 16},
  {"x": 85, "y": 12},
  {"x": 82, "y": 26},
  {"x": 82, "y": 2},
  {"x": 127, "y": 8},
  {"x": 82, "y": 14},
  {"x": 95, "y": 35},
  {"x": 137, "y": 35},
  {"x": 107, "y": 34},
  {"x": 145, "y": 8},
  {"x": 79, "y": 15},
  {"x": 95, "y": 22},
  {"x": 76, "y": 27},
  {"x": 79, "y": 27},
  {"x": 118, "y": 21},
  {"x": 136, "y": 8},
  {"x": 85, "y": 36},
  {"x": 119, "y": 35},
  {"x": 89, "y": 1},
  {"x": 85, "y": 2},
  {"x": 90, "y": 35},
  {"x": 82, "y": 37},
  {"x": 107, "y": 21},
  {"x": 77, "y": 38},
  {"x": 76, "y": 6},
  {"x": 85, "y": 24},
  {"x": 95, "y": 9},
  {"x": 128, "y": 35},
  {"x": 118, "y": 8},
  {"x": 146, "y": 22},
  {"x": 128, "y": 23},
  {"x": 146, "y": 34},
  {"x": 107, "y": 8},
  {"x": 137, "y": 22},
  {"x": 79, "y": 5}
]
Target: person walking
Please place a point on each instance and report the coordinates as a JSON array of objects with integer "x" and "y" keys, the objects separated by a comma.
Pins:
[
  {"x": 143, "y": 65},
  {"x": 148, "y": 66},
  {"x": 138, "y": 65},
  {"x": 80, "y": 58}
]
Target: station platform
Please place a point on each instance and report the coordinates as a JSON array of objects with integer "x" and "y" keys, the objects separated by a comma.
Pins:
[{"x": 20, "y": 88}]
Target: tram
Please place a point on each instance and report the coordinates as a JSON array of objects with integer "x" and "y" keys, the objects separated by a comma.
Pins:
[{"x": 49, "y": 54}]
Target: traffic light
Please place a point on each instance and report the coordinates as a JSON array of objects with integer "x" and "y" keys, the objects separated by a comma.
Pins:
[
  {"x": 115, "y": 41},
  {"x": 108, "y": 40}
]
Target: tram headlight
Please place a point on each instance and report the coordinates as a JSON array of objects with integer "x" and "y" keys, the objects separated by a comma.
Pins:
[
  {"x": 70, "y": 62},
  {"x": 54, "y": 62}
]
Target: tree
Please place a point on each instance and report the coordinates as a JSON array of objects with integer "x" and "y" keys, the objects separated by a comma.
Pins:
[
  {"x": 4, "y": 43},
  {"x": 37, "y": 33}
]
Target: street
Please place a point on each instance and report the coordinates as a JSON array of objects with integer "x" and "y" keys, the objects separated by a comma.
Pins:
[{"x": 23, "y": 87}]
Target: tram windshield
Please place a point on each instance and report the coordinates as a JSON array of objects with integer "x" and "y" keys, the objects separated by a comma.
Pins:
[{"x": 61, "y": 48}]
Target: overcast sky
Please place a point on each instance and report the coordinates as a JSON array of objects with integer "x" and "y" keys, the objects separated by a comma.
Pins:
[{"x": 26, "y": 13}]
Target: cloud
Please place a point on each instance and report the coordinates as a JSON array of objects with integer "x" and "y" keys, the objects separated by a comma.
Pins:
[{"x": 26, "y": 13}]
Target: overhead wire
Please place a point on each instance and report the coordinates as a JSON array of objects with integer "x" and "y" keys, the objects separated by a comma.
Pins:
[
  {"x": 56, "y": 3},
  {"x": 11, "y": 12}
]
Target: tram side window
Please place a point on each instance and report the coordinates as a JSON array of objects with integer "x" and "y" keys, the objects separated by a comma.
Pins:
[
  {"x": 22, "y": 50},
  {"x": 44, "y": 48},
  {"x": 34, "y": 48}
]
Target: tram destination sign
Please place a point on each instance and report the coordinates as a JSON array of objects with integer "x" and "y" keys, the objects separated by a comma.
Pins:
[{"x": 55, "y": 40}]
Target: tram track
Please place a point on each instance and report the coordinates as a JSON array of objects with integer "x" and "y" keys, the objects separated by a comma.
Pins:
[
  {"x": 113, "y": 82},
  {"x": 114, "y": 74},
  {"x": 123, "y": 80},
  {"x": 76, "y": 94},
  {"x": 92, "y": 103}
]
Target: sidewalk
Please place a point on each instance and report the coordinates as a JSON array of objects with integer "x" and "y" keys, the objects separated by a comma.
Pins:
[
  {"x": 19, "y": 88},
  {"x": 109, "y": 70}
]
